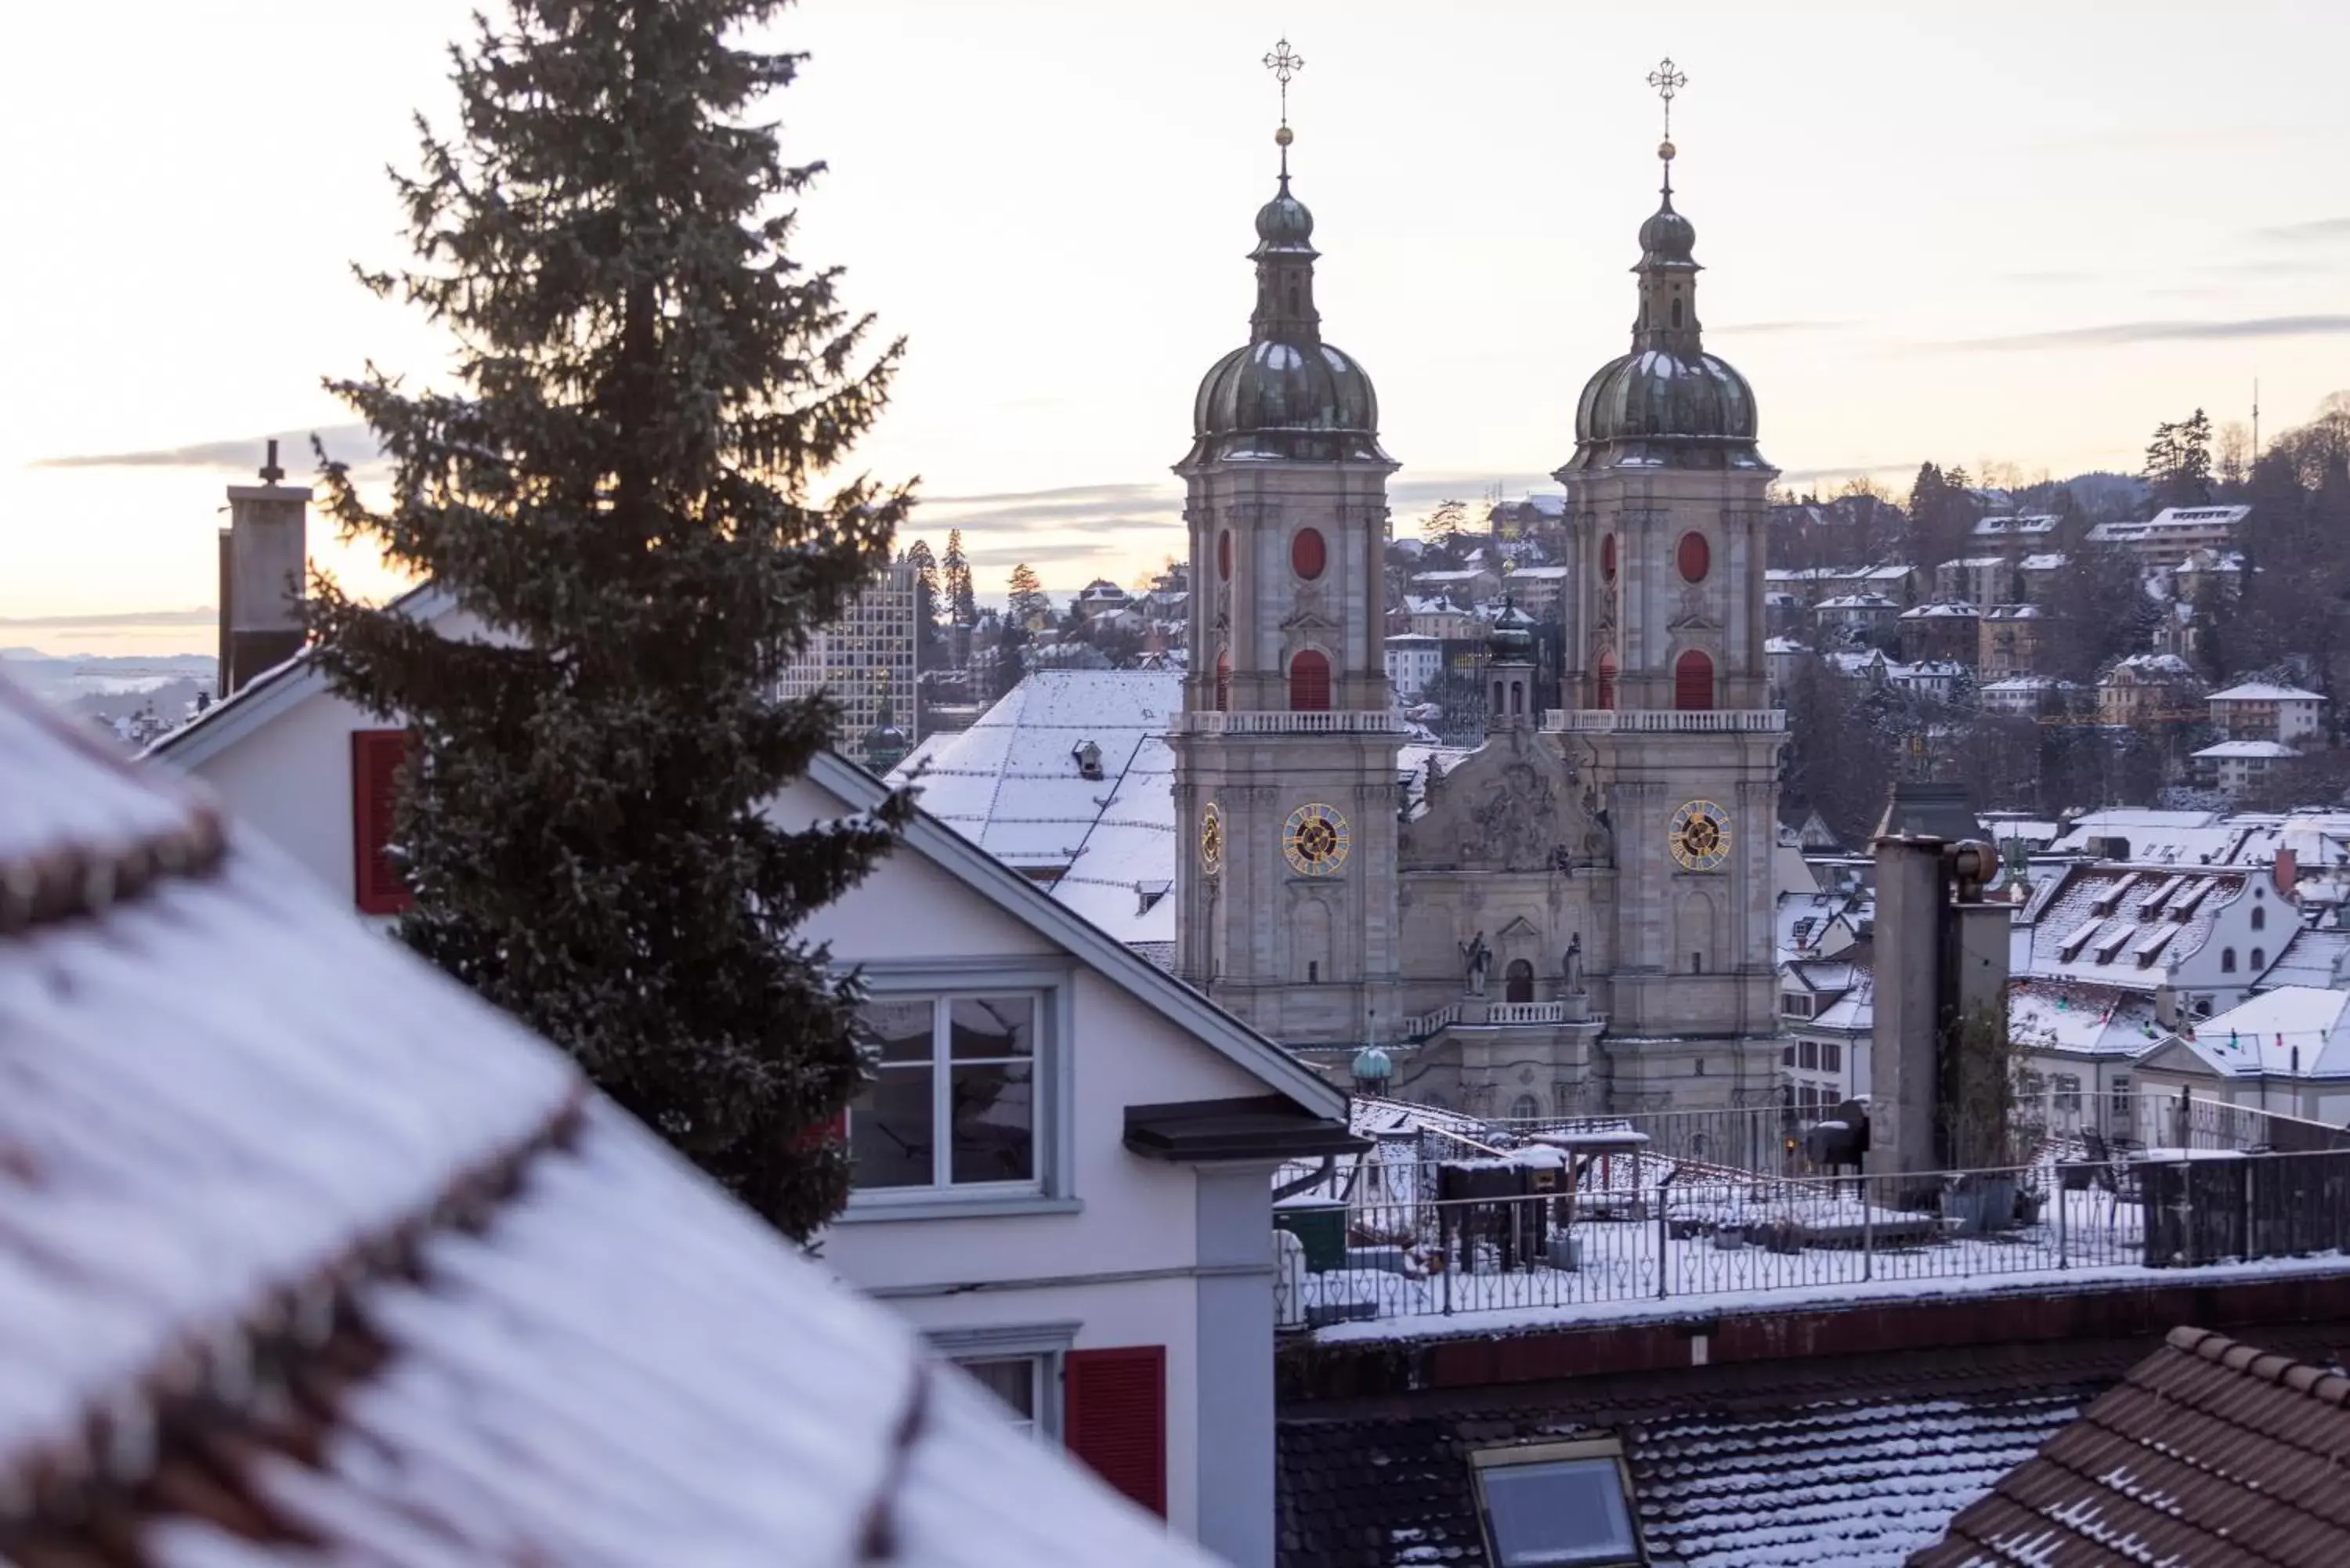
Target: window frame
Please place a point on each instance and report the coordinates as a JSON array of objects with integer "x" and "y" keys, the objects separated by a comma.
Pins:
[
  {"x": 1046, "y": 1344},
  {"x": 1526, "y": 1455},
  {"x": 1052, "y": 1093}
]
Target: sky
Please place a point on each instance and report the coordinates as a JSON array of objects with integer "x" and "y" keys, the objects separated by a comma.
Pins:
[{"x": 2000, "y": 233}]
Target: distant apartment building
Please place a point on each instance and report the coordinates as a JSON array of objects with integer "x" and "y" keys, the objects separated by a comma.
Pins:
[
  {"x": 2147, "y": 688},
  {"x": 1978, "y": 580},
  {"x": 2257, "y": 710},
  {"x": 866, "y": 662},
  {"x": 1947, "y": 631},
  {"x": 2175, "y": 533},
  {"x": 2018, "y": 696},
  {"x": 2008, "y": 638},
  {"x": 1413, "y": 661}
]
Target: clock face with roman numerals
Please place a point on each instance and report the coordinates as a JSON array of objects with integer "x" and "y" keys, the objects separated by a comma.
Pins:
[
  {"x": 1314, "y": 840},
  {"x": 1698, "y": 836}
]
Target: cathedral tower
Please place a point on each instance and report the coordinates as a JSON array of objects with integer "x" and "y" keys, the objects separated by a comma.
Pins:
[
  {"x": 1285, "y": 749},
  {"x": 1665, "y": 691}
]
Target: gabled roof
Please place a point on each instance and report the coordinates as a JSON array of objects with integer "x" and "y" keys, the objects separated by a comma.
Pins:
[
  {"x": 2264, "y": 691},
  {"x": 275, "y": 690},
  {"x": 308, "y": 1256},
  {"x": 1152, "y": 987},
  {"x": 2209, "y": 1453},
  {"x": 2249, "y": 750},
  {"x": 2292, "y": 1031}
]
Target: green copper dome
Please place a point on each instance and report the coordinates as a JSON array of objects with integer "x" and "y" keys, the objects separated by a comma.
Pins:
[
  {"x": 1668, "y": 403},
  {"x": 1286, "y": 394}
]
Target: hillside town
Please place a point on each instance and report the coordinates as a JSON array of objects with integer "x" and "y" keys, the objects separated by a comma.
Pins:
[{"x": 1669, "y": 1020}]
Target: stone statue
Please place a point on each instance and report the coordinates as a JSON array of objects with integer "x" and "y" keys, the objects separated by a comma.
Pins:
[
  {"x": 1477, "y": 958},
  {"x": 1574, "y": 964}
]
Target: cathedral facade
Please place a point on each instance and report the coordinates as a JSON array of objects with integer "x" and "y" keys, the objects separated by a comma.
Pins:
[{"x": 1577, "y": 915}]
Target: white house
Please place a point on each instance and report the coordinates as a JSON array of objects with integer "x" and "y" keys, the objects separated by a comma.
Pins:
[
  {"x": 2260, "y": 710},
  {"x": 2235, "y": 767},
  {"x": 1065, "y": 1160},
  {"x": 2017, "y": 696},
  {"x": 435, "y": 1299},
  {"x": 1826, "y": 1010},
  {"x": 2286, "y": 1051},
  {"x": 2175, "y": 533},
  {"x": 1413, "y": 659},
  {"x": 2188, "y": 939}
]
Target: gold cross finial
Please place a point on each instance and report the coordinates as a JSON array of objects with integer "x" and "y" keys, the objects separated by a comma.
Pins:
[
  {"x": 1283, "y": 64},
  {"x": 1667, "y": 81}
]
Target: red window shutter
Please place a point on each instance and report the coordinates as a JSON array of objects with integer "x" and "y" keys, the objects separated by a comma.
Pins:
[
  {"x": 1116, "y": 1418},
  {"x": 376, "y": 757}
]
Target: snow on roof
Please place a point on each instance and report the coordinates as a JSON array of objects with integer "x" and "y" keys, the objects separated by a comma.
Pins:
[
  {"x": 431, "y": 1298},
  {"x": 2130, "y": 903},
  {"x": 2294, "y": 1028},
  {"x": 2154, "y": 666},
  {"x": 2019, "y": 684},
  {"x": 1941, "y": 609},
  {"x": 1854, "y": 1013},
  {"x": 2081, "y": 1019},
  {"x": 2262, "y": 692},
  {"x": 2035, "y": 523},
  {"x": 2248, "y": 749},
  {"x": 1783, "y": 645},
  {"x": 2049, "y": 561},
  {"x": 1011, "y": 785},
  {"x": 2312, "y": 958},
  {"x": 1857, "y": 601}
]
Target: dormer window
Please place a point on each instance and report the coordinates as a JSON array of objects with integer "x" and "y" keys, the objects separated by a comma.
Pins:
[
  {"x": 1568, "y": 1504},
  {"x": 1089, "y": 757}
]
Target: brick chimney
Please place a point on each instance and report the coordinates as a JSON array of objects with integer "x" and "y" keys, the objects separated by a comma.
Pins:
[
  {"x": 2287, "y": 872},
  {"x": 264, "y": 567}
]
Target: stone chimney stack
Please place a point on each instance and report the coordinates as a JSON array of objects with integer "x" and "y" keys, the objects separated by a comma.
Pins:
[
  {"x": 1940, "y": 954},
  {"x": 264, "y": 572}
]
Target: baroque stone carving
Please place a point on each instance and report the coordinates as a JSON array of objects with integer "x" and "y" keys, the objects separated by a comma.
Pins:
[{"x": 1515, "y": 823}]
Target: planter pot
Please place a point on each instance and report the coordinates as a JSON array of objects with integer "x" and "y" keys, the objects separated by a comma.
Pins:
[
  {"x": 1729, "y": 1238},
  {"x": 1566, "y": 1253}
]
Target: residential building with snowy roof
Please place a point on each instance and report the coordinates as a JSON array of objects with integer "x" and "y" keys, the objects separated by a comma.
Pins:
[
  {"x": 314, "y": 1257},
  {"x": 2264, "y": 711},
  {"x": 2010, "y": 638},
  {"x": 2285, "y": 1050},
  {"x": 1074, "y": 1242},
  {"x": 1978, "y": 580},
  {"x": 1413, "y": 659},
  {"x": 1946, "y": 630},
  {"x": 2149, "y": 688},
  {"x": 2175, "y": 533},
  {"x": 2236, "y": 767},
  {"x": 2018, "y": 696}
]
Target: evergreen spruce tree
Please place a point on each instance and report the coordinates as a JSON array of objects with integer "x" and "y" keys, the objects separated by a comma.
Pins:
[
  {"x": 963, "y": 605},
  {"x": 629, "y": 481}
]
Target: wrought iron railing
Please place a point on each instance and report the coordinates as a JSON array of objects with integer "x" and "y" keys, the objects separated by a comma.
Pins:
[{"x": 1636, "y": 1226}]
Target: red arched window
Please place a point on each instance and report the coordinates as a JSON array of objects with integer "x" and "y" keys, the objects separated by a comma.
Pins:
[
  {"x": 1224, "y": 553},
  {"x": 1307, "y": 554},
  {"x": 1693, "y": 683},
  {"x": 1608, "y": 557},
  {"x": 1309, "y": 683},
  {"x": 1694, "y": 557},
  {"x": 1605, "y": 697},
  {"x": 1223, "y": 682}
]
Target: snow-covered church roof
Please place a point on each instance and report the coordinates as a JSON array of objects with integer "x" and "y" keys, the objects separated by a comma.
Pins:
[{"x": 307, "y": 1256}]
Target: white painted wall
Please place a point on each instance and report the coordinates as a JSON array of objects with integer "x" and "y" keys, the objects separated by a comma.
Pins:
[{"x": 288, "y": 781}]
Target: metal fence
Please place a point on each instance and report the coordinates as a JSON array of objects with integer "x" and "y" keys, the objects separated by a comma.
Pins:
[{"x": 1639, "y": 1225}]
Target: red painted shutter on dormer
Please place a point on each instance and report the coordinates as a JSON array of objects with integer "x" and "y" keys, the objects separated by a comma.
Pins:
[
  {"x": 376, "y": 756},
  {"x": 1115, "y": 1418}
]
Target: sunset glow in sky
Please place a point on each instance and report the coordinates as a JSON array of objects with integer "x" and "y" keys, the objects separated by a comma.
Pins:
[{"x": 2023, "y": 232}]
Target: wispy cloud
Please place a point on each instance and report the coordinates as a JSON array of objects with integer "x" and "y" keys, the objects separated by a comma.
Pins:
[
  {"x": 1050, "y": 558},
  {"x": 241, "y": 454},
  {"x": 2125, "y": 332},
  {"x": 2317, "y": 231},
  {"x": 1779, "y": 328},
  {"x": 202, "y": 615}
]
